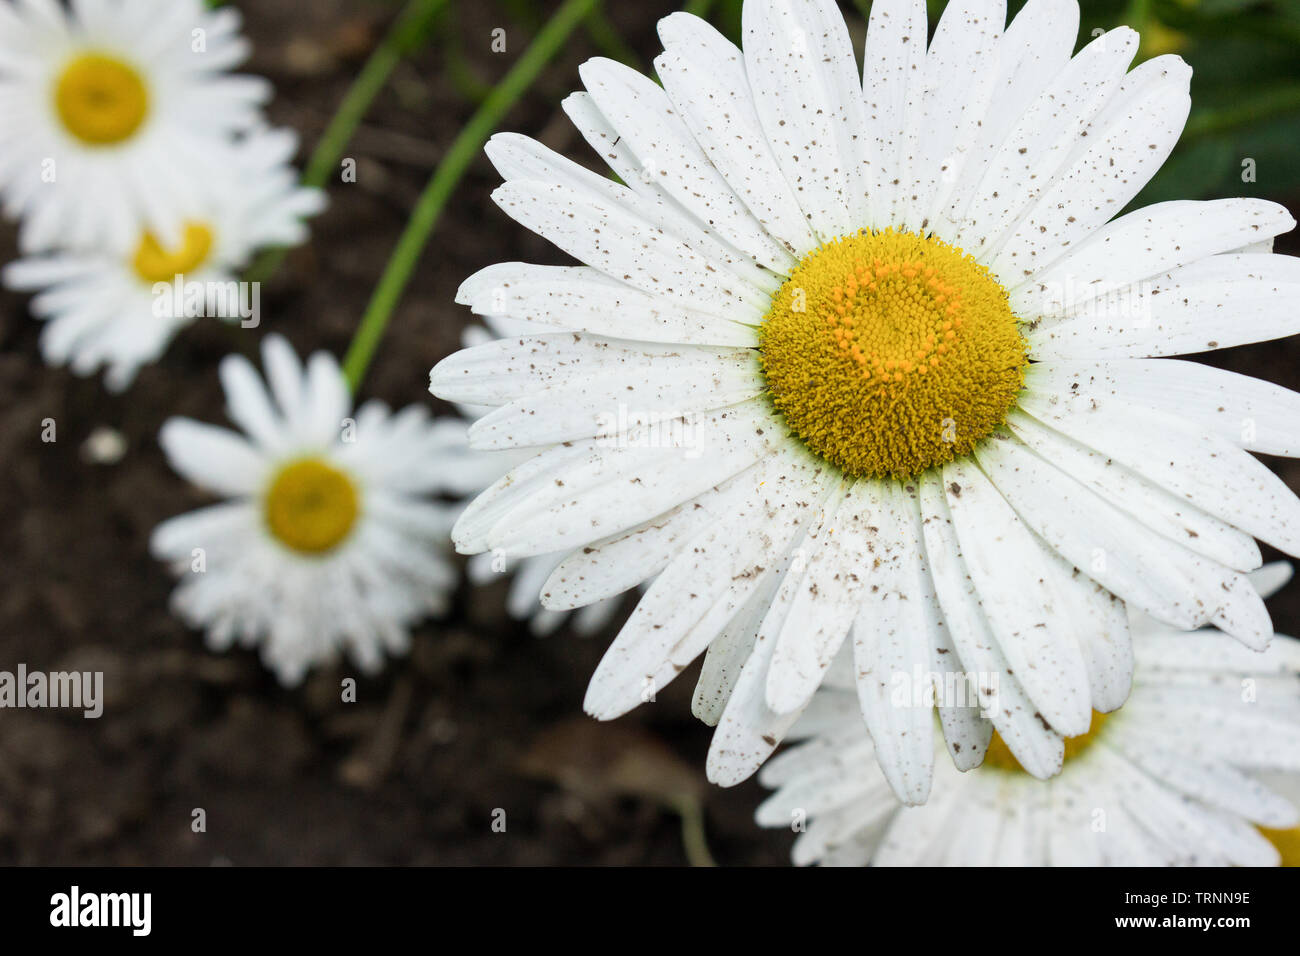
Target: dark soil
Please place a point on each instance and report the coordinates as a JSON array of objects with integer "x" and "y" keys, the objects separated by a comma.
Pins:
[{"x": 413, "y": 772}]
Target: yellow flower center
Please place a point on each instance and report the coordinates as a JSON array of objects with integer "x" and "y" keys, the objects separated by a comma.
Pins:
[
  {"x": 1287, "y": 843},
  {"x": 101, "y": 100},
  {"x": 311, "y": 506},
  {"x": 153, "y": 263},
  {"x": 889, "y": 353},
  {"x": 999, "y": 755}
]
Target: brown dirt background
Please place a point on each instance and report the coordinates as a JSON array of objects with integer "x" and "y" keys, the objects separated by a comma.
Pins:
[{"x": 412, "y": 772}]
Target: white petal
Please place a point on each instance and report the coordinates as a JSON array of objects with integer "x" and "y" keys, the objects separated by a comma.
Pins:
[
  {"x": 248, "y": 404},
  {"x": 487, "y": 510},
  {"x": 585, "y": 300},
  {"x": 1146, "y": 570},
  {"x": 1248, "y": 412},
  {"x": 1102, "y": 633},
  {"x": 519, "y": 158},
  {"x": 704, "y": 73},
  {"x": 804, "y": 79},
  {"x": 1118, "y": 162},
  {"x": 1147, "y": 243},
  {"x": 1203, "y": 469},
  {"x": 1210, "y": 781},
  {"x": 608, "y": 407},
  {"x": 612, "y": 489},
  {"x": 175, "y": 538},
  {"x": 1035, "y": 47},
  {"x": 1145, "y": 502},
  {"x": 1216, "y": 303},
  {"x": 727, "y": 654},
  {"x": 1038, "y": 748},
  {"x": 284, "y": 374},
  {"x": 642, "y": 113},
  {"x": 892, "y": 649},
  {"x": 749, "y": 731},
  {"x": 507, "y": 369},
  {"x": 1164, "y": 653},
  {"x": 214, "y": 458},
  {"x": 1271, "y": 578},
  {"x": 823, "y": 591},
  {"x": 327, "y": 400},
  {"x": 1070, "y": 840},
  {"x": 1003, "y": 559},
  {"x": 700, "y": 591},
  {"x": 614, "y": 564},
  {"x": 1027, "y": 161},
  {"x": 960, "y": 72},
  {"x": 916, "y": 834},
  {"x": 893, "y": 81},
  {"x": 626, "y": 246}
]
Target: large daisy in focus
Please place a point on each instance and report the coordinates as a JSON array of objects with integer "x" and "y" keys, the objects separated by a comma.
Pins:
[
  {"x": 1198, "y": 768},
  {"x": 112, "y": 112},
  {"x": 875, "y": 367},
  {"x": 331, "y": 540},
  {"x": 119, "y": 308}
]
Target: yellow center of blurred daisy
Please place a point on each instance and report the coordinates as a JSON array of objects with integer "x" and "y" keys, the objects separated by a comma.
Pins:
[
  {"x": 1287, "y": 843},
  {"x": 311, "y": 506},
  {"x": 101, "y": 100},
  {"x": 1000, "y": 757},
  {"x": 889, "y": 353},
  {"x": 154, "y": 263}
]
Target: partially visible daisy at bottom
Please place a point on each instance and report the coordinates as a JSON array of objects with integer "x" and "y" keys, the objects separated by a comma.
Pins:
[
  {"x": 529, "y": 574},
  {"x": 1174, "y": 777},
  {"x": 118, "y": 308},
  {"x": 331, "y": 540}
]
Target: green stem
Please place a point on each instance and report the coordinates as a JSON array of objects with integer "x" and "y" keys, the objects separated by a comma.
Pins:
[
  {"x": 459, "y": 72},
  {"x": 405, "y": 32},
  {"x": 699, "y": 8},
  {"x": 402, "y": 262},
  {"x": 462, "y": 76},
  {"x": 694, "y": 842}
]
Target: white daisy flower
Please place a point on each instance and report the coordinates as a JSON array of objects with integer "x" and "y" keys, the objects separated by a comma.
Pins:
[
  {"x": 113, "y": 112},
  {"x": 1174, "y": 777},
  {"x": 329, "y": 541},
  {"x": 877, "y": 364},
  {"x": 120, "y": 308}
]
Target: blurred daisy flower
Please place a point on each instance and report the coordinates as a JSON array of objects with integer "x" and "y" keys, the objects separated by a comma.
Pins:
[
  {"x": 120, "y": 308},
  {"x": 872, "y": 368},
  {"x": 113, "y": 114},
  {"x": 331, "y": 539},
  {"x": 1174, "y": 777}
]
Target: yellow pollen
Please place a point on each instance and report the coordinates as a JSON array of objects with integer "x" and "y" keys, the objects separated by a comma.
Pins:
[
  {"x": 101, "y": 100},
  {"x": 153, "y": 263},
  {"x": 1287, "y": 843},
  {"x": 311, "y": 506},
  {"x": 999, "y": 755},
  {"x": 890, "y": 377}
]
